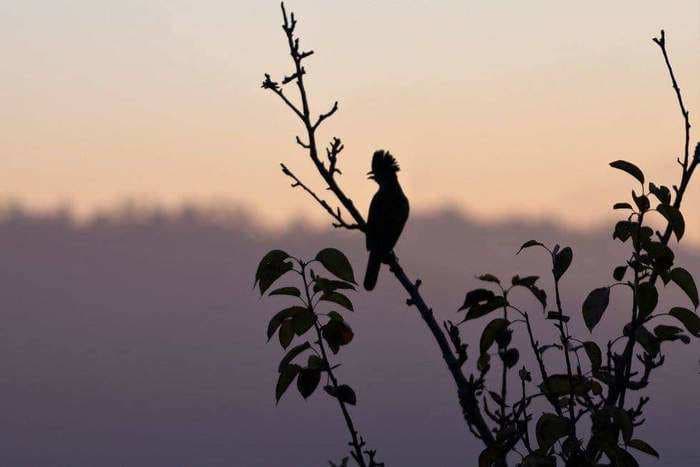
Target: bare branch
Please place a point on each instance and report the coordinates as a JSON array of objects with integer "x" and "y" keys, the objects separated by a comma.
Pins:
[
  {"x": 339, "y": 222},
  {"x": 322, "y": 117}
]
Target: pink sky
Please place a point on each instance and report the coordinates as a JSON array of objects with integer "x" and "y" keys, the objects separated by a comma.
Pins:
[{"x": 500, "y": 108}]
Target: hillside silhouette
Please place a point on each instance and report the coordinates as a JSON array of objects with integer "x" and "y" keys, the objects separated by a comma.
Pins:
[{"x": 135, "y": 338}]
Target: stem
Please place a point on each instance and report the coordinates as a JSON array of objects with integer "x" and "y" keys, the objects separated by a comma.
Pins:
[{"x": 355, "y": 443}]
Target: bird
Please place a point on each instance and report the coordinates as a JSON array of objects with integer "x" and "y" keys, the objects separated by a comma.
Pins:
[{"x": 388, "y": 213}]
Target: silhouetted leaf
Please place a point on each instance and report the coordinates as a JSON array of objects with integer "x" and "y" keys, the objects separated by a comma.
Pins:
[
  {"x": 619, "y": 273},
  {"x": 528, "y": 244},
  {"x": 336, "y": 333},
  {"x": 630, "y": 168},
  {"x": 622, "y": 206},
  {"x": 335, "y": 315},
  {"x": 343, "y": 392},
  {"x": 690, "y": 320},
  {"x": 549, "y": 429},
  {"x": 496, "y": 397},
  {"x": 662, "y": 193},
  {"x": 674, "y": 218},
  {"x": 527, "y": 281},
  {"x": 510, "y": 357},
  {"x": 641, "y": 201},
  {"x": 286, "y": 333},
  {"x": 286, "y": 377},
  {"x": 476, "y": 296},
  {"x": 291, "y": 355},
  {"x": 524, "y": 374},
  {"x": 623, "y": 230},
  {"x": 595, "y": 305},
  {"x": 647, "y": 298},
  {"x": 489, "y": 278},
  {"x": 642, "y": 446},
  {"x": 670, "y": 333},
  {"x": 336, "y": 262},
  {"x": 619, "y": 456},
  {"x": 535, "y": 459},
  {"x": 685, "y": 281},
  {"x": 560, "y": 385},
  {"x": 483, "y": 363},
  {"x": 562, "y": 261},
  {"x": 488, "y": 336},
  {"x": 277, "y": 320},
  {"x": 623, "y": 421},
  {"x": 315, "y": 362},
  {"x": 489, "y": 456},
  {"x": 647, "y": 340},
  {"x": 594, "y": 354},
  {"x": 477, "y": 311},
  {"x": 292, "y": 291},
  {"x": 307, "y": 382},
  {"x": 271, "y": 267},
  {"x": 340, "y": 299},
  {"x": 303, "y": 322},
  {"x": 661, "y": 255},
  {"x": 321, "y": 284}
]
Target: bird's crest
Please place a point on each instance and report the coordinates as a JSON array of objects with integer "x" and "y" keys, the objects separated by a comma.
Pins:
[{"x": 384, "y": 162}]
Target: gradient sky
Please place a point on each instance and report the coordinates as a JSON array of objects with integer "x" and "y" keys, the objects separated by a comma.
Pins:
[{"x": 499, "y": 107}]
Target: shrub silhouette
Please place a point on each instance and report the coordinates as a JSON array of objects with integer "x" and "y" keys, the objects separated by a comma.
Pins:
[{"x": 577, "y": 410}]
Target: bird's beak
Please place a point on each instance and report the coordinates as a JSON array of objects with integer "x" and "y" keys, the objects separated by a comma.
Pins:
[{"x": 370, "y": 175}]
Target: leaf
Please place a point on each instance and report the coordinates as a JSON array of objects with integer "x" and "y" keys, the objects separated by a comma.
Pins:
[
  {"x": 594, "y": 354},
  {"x": 642, "y": 446},
  {"x": 524, "y": 374},
  {"x": 321, "y": 284},
  {"x": 662, "y": 193},
  {"x": 619, "y": 273},
  {"x": 641, "y": 201},
  {"x": 335, "y": 315},
  {"x": 286, "y": 377},
  {"x": 489, "y": 456},
  {"x": 286, "y": 333},
  {"x": 674, "y": 218},
  {"x": 630, "y": 168},
  {"x": 291, "y": 355},
  {"x": 315, "y": 362},
  {"x": 623, "y": 230},
  {"x": 562, "y": 261},
  {"x": 489, "y": 278},
  {"x": 337, "y": 263},
  {"x": 271, "y": 267},
  {"x": 685, "y": 281},
  {"x": 690, "y": 320},
  {"x": 622, "y": 206},
  {"x": 647, "y": 298},
  {"x": 496, "y": 397},
  {"x": 624, "y": 422},
  {"x": 560, "y": 385},
  {"x": 307, "y": 382},
  {"x": 337, "y": 333},
  {"x": 510, "y": 357},
  {"x": 647, "y": 340},
  {"x": 670, "y": 333},
  {"x": 303, "y": 322},
  {"x": 528, "y": 244},
  {"x": 292, "y": 291},
  {"x": 476, "y": 296},
  {"x": 488, "y": 336},
  {"x": 483, "y": 363},
  {"x": 527, "y": 281},
  {"x": 277, "y": 320},
  {"x": 340, "y": 299},
  {"x": 343, "y": 393},
  {"x": 477, "y": 311},
  {"x": 549, "y": 429},
  {"x": 594, "y": 306}
]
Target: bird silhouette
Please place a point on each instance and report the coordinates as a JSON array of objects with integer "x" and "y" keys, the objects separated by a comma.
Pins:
[{"x": 387, "y": 216}]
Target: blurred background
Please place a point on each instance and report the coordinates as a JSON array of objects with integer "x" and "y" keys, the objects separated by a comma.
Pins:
[{"x": 140, "y": 185}]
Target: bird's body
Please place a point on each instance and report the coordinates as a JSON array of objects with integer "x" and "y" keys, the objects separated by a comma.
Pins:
[{"x": 388, "y": 213}]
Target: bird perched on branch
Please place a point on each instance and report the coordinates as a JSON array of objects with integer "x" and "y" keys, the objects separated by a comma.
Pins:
[{"x": 388, "y": 213}]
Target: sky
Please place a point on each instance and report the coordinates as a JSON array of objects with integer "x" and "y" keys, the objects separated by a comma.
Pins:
[{"x": 499, "y": 108}]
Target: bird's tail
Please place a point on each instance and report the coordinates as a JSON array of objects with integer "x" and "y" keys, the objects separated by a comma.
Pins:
[{"x": 373, "y": 265}]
